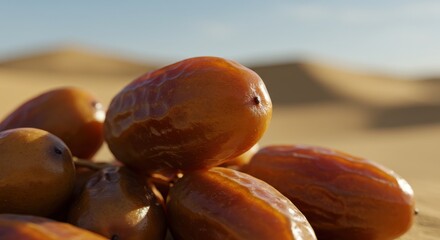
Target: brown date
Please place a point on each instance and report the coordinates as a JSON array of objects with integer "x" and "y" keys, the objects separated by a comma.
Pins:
[
  {"x": 342, "y": 196},
  {"x": 194, "y": 114},
  {"x": 239, "y": 161},
  {"x": 13, "y": 227},
  {"x": 72, "y": 114},
  {"x": 115, "y": 204},
  {"x": 222, "y": 203},
  {"x": 36, "y": 172},
  {"x": 84, "y": 170}
]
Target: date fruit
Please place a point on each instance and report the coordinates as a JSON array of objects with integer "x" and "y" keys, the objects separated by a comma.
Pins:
[
  {"x": 72, "y": 114},
  {"x": 222, "y": 203},
  {"x": 194, "y": 114},
  {"x": 342, "y": 196},
  {"x": 115, "y": 204},
  {"x": 36, "y": 172},
  {"x": 13, "y": 227},
  {"x": 239, "y": 161}
]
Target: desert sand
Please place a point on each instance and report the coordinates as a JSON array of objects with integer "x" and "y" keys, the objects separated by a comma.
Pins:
[{"x": 387, "y": 119}]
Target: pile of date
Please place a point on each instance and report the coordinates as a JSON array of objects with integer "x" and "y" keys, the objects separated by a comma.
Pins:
[{"x": 187, "y": 165}]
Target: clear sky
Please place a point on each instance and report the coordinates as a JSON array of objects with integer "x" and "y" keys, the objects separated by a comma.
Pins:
[{"x": 392, "y": 36}]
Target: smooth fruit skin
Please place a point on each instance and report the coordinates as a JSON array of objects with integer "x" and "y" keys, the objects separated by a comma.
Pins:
[
  {"x": 222, "y": 203},
  {"x": 241, "y": 160},
  {"x": 115, "y": 204},
  {"x": 194, "y": 114},
  {"x": 72, "y": 114},
  {"x": 36, "y": 172},
  {"x": 342, "y": 196},
  {"x": 17, "y": 227}
]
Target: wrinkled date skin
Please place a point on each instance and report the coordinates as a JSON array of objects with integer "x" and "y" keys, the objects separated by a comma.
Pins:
[
  {"x": 342, "y": 196},
  {"x": 222, "y": 203},
  {"x": 116, "y": 205},
  {"x": 190, "y": 115},
  {"x": 72, "y": 114},
  {"x": 28, "y": 227}
]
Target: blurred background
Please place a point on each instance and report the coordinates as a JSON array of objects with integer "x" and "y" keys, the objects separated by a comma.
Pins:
[{"x": 361, "y": 77}]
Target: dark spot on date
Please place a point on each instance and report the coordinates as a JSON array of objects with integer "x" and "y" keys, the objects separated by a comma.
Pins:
[
  {"x": 114, "y": 237},
  {"x": 57, "y": 150},
  {"x": 96, "y": 105},
  {"x": 257, "y": 100}
]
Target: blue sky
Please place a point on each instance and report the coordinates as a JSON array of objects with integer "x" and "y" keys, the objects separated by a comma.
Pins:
[{"x": 391, "y": 36}]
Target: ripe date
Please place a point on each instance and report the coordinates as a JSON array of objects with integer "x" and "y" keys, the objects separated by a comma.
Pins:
[
  {"x": 117, "y": 205},
  {"x": 70, "y": 113},
  {"x": 194, "y": 114},
  {"x": 222, "y": 203},
  {"x": 14, "y": 226},
  {"x": 342, "y": 196}
]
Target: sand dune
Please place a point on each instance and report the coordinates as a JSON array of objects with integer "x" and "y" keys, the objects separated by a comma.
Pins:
[
  {"x": 75, "y": 60},
  {"x": 318, "y": 82},
  {"x": 387, "y": 119},
  {"x": 389, "y": 101},
  {"x": 291, "y": 84}
]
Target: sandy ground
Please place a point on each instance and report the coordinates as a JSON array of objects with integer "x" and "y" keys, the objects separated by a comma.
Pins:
[{"x": 411, "y": 151}]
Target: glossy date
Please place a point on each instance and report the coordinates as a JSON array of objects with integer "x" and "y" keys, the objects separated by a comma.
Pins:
[
  {"x": 342, "y": 196},
  {"x": 70, "y": 113},
  {"x": 194, "y": 114},
  {"x": 222, "y": 203}
]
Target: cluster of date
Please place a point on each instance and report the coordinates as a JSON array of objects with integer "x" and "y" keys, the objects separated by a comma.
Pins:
[{"x": 186, "y": 142}]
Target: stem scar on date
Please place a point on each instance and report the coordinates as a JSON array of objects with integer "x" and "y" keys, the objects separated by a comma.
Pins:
[
  {"x": 114, "y": 237},
  {"x": 57, "y": 150},
  {"x": 257, "y": 100}
]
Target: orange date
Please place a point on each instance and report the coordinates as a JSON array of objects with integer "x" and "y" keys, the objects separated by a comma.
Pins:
[
  {"x": 194, "y": 114},
  {"x": 70, "y": 113},
  {"x": 342, "y": 196},
  {"x": 222, "y": 203}
]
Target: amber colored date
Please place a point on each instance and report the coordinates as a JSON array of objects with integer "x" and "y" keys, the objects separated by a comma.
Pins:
[
  {"x": 222, "y": 203},
  {"x": 116, "y": 204},
  {"x": 37, "y": 228},
  {"x": 194, "y": 114},
  {"x": 72, "y": 114},
  {"x": 36, "y": 172},
  {"x": 239, "y": 161},
  {"x": 342, "y": 196}
]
